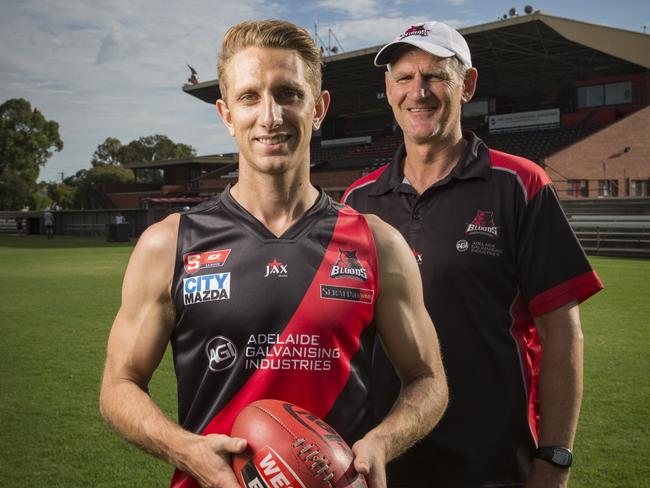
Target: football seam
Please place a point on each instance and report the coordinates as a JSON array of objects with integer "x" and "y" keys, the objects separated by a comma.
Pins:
[{"x": 276, "y": 419}]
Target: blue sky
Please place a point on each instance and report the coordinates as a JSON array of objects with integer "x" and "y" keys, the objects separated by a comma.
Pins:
[{"x": 116, "y": 68}]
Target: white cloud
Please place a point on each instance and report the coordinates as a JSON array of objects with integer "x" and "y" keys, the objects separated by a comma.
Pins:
[
  {"x": 363, "y": 33},
  {"x": 116, "y": 69},
  {"x": 354, "y": 8}
]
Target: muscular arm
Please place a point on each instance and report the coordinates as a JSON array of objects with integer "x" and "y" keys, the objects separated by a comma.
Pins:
[
  {"x": 560, "y": 388},
  {"x": 136, "y": 346},
  {"x": 412, "y": 345}
]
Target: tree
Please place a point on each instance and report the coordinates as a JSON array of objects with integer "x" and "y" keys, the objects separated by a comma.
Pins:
[
  {"x": 63, "y": 194},
  {"x": 154, "y": 148},
  {"x": 108, "y": 152},
  {"x": 27, "y": 139}
]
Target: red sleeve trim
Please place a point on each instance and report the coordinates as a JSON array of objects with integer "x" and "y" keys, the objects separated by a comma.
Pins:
[
  {"x": 578, "y": 288},
  {"x": 361, "y": 182},
  {"x": 530, "y": 176}
]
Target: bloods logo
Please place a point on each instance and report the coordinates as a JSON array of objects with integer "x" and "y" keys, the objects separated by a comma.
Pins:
[
  {"x": 348, "y": 266},
  {"x": 416, "y": 30},
  {"x": 483, "y": 224},
  {"x": 221, "y": 352},
  {"x": 276, "y": 268},
  {"x": 206, "y": 288},
  {"x": 194, "y": 261}
]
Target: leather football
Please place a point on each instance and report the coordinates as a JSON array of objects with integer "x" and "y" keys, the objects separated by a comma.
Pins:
[{"x": 290, "y": 447}]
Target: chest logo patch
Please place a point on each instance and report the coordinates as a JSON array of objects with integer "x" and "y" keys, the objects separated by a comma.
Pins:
[
  {"x": 276, "y": 268},
  {"x": 483, "y": 224},
  {"x": 418, "y": 256},
  {"x": 206, "y": 288},
  {"x": 348, "y": 266},
  {"x": 221, "y": 353},
  {"x": 211, "y": 259}
]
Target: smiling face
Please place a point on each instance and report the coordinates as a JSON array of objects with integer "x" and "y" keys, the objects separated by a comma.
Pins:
[
  {"x": 270, "y": 109},
  {"x": 426, "y": 95}
]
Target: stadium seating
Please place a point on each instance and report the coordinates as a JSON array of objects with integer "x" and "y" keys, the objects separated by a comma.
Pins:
[{"x": 535, "y": 145}]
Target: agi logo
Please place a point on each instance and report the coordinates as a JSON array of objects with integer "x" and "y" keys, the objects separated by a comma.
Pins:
[
  {"x": 221, "y": 352},
  {"x": 206, "y": 288},
  {"x": 348, "y": 266},
  {"x": 483, "y": 224},
  {"x": 195, "y": 261}
]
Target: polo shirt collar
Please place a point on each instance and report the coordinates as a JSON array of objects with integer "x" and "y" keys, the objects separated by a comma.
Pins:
[{"x": 474, "y": 163}]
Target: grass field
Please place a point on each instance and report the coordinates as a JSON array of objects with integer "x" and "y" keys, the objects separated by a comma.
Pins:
[{"x": 58, "y": 299}]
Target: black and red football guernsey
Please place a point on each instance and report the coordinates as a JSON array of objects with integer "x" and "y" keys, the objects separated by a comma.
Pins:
[
  {"x": 259, "y": 316},
  {"x": 495, "y": 251}
]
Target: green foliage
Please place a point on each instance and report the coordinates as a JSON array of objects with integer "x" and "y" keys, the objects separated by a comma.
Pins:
[
  {"x": 108, "y": 152},
  {"x": 62, "y": 193},
  {"x": 27, "y": 139},
  {"x": 154, "y": 148},
  {"x": 109, "y": 167}
]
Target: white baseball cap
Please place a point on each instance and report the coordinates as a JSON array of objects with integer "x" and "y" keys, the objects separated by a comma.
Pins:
[{"x": 433, "y": 37}]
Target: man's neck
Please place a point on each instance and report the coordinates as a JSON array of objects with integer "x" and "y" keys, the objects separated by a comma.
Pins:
[
  {"x": 276, "y": 200},
  {"x": 426, "y": 164}
]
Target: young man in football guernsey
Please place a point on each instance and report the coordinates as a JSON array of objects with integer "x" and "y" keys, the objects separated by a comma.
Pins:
[
  {"x": 502, "y": 272},
  {"x": 270, "y": 290}
]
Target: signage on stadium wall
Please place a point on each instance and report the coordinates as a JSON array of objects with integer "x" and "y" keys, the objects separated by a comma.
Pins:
[{"x": 537, "y": 118}]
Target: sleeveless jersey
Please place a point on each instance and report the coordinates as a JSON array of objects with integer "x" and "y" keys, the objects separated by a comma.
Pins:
[{"x": 259, "y": 316}]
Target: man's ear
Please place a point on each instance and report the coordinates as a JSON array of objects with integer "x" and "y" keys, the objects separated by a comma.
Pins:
[
  {"x": 469, "y": 85},
  {"x": 320, "y": 109},
  {"x": 224, "y": 113}
]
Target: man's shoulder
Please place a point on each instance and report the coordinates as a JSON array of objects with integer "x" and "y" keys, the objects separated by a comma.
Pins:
[
  {"x": 363, "y": 186},
  {"x": 530, "y": 176}
]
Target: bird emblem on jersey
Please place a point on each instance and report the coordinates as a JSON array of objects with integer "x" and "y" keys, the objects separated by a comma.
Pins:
[
  {"x": 483, "y": 224},
  {"x": 348, "y": 266}
]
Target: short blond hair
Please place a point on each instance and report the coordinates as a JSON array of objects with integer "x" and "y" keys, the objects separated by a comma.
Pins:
[{"x": 271, "y": 33}]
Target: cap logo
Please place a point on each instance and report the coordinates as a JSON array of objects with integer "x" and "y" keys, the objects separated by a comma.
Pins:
[{"x": 416, "y": 30}]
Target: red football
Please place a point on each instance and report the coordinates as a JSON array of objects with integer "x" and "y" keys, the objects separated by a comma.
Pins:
[{"x": 290, "y": 447}]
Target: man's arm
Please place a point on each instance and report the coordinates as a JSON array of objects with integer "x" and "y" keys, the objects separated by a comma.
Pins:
[
  {"x": 136, "y": 346},
  {"x": 560, "y": 389},
  {"x": 411, "y": 343}
]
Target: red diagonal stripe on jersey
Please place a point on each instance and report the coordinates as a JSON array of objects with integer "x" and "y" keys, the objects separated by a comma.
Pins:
[
  {"x": 524, "y": 332},
  {"x": 313, "y": 316}
]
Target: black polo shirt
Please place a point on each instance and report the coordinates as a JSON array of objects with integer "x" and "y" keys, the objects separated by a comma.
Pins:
[{"x": 495, "y": 251}]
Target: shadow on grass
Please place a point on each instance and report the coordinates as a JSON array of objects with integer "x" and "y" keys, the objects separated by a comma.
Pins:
[{"x": 58, "y": 242}]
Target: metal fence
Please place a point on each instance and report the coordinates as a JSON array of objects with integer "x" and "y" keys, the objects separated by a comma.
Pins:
[{"x": 613, "y": 235}]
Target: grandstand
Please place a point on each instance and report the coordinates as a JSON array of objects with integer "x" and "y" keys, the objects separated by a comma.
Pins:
[{"x": 545, "y": 84}]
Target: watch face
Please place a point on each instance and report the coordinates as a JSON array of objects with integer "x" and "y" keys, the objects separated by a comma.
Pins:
[{"x": 561, "y": 457}]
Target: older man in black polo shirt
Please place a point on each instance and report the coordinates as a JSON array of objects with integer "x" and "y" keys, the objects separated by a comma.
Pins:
[{"x": 503, "y": 275}]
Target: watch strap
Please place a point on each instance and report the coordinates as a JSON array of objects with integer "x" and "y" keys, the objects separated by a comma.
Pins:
[{"x": 559, "y": 456}]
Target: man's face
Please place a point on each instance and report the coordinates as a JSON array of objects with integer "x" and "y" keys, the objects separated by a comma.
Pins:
[
  {"x": 425, "y": 96},
  {"x": 270, "y": 108}
]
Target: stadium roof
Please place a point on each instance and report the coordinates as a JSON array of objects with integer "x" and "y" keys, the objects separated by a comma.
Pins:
[{"x": 516, "y": 57}]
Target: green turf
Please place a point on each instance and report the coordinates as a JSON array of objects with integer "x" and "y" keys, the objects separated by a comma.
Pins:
[
  {"x": 58, "y": 299},
  {"x": 613, "y": 438},
  {"x": 58, "y": 302}
]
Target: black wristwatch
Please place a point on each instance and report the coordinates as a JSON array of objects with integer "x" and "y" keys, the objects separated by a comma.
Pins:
[{"x": 558, "y": 456}]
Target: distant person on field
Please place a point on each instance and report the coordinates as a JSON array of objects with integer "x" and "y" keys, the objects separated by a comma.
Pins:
[
  {"x": 119, "y": 219},
  {"x": 48, "y": 221},
  {"x": 503, "y": 274}
]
